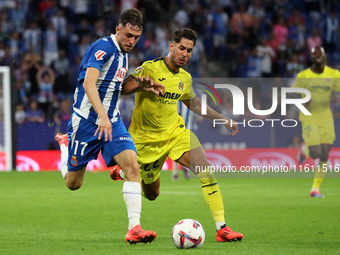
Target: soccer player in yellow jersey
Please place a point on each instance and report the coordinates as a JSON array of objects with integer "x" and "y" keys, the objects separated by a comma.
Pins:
[
  {"x": 318, "y": 129},
  {"x": 159, "y": 131}
]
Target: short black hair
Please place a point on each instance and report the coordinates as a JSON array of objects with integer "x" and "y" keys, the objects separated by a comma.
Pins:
[
  {"x": 132, "y": 16},
  {"x": 186, "y": 33}
]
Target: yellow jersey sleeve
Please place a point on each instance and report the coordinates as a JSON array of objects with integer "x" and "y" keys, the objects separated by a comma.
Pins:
[{"x": 144, "y": 70}]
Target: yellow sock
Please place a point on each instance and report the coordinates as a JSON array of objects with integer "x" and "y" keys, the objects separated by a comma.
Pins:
[
  {"x": 319, "y": 175},
  {"x": 305, "y": 150},
  {"x": 213, "y": 198}
]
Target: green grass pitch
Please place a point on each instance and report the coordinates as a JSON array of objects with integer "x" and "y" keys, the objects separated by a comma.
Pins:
[{"x": 39, "y": 215}]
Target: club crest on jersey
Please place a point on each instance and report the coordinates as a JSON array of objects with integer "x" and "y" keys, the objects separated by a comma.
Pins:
[
  {"x": 74, "y": 161},
  {"x": 181, "y": 85},
  {"x": 120, "y": 74},
  {"x": 99, "y": 54}
]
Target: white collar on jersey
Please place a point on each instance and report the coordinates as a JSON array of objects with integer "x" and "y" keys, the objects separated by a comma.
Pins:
[{"x": 113, "y": 37}]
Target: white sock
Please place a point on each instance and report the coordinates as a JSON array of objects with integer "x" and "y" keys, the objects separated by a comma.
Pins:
[
  {"x": 219, "y": 225},
  {"x": 315, "y": 189},
  {"x": 64, "y": 158},
  {"x": 133, "y": 201}
]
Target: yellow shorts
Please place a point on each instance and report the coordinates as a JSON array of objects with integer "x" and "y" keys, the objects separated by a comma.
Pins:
[
  {"x": 316, "y": 135},
  {"x": 151, "y": 156}
]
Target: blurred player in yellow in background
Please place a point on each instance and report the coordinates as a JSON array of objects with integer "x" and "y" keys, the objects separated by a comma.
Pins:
[{"x": 318, "y": 129}]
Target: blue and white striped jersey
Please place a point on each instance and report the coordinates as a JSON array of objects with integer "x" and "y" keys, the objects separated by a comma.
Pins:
[{"x": 106, "y": 56}]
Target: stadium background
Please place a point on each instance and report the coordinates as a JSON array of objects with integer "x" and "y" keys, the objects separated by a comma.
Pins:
[{"x": 44, "y": 41}]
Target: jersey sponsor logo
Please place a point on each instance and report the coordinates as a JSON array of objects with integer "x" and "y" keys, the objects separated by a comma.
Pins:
[
  {"x": 99, "y": 54},
  {"x": 120, "y": 74},
  {"x": 124, "y": 138},
  {"x": 74, "y": 161},
  {"x": 163, "y": 101},
  {"x": 181, "y": 85},
  {"x": 169, "y": 95}
]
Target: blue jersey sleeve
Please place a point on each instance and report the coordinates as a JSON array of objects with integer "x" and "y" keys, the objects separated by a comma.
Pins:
[{"x": 97, "y": 54}]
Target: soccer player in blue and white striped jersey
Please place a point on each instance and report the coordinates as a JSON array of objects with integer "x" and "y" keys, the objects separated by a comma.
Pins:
[{"x": 96, "y": 125}]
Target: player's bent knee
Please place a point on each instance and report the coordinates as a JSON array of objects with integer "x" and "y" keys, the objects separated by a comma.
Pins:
[{"x": 73, "y": 185}]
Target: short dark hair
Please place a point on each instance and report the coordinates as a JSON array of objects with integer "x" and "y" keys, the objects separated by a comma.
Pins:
[
  {"x": 132, "y": 16},
  {"x": 186, "y": 33}
]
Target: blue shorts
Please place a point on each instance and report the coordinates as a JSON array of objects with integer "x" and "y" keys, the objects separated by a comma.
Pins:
[{"x": 83, "y": 146}]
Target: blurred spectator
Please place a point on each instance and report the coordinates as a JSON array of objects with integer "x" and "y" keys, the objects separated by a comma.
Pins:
[
  {"x": 5, "y": 57},
  {"x": 256, "y": 9},
  {"x": 60, "y": 23},
  {"x": 61, "y": 68},
  {"x": 16, "y": 47},
  {"x": 198, "y": 19},
  {"x": 253, "y": 64},
  {"x": 6, "y": 24},
  {"x": 266, "y": 53},
  {"x": 294, "y": 66},
  {"x": 33, "y": 113},
  {"x": 32, "y": 38},
  {"x": 330, "y": 28},
  {"x": 83, "y": 29},
  {"x": 80, "y": 9},
  {"x": 297, "y": 34},
  {"x": 296, "y": 17},
  {"x": 240, "y": 22},
  {"x": 181, "y": 18},
  {"x": 17, "y": 17},
  {"x": 50, "y": 12},
  {"x": 50, "y": 45},
  {"x": 73, "y": 80},
  {"x": 23, "y": 87},
  {"x": 314, "y": 39},
  {"x": 84, "y": 44},
  {"x": 20, "y": 114},
  {"x": 31, "y": 65},
  {"x": 220, "y": 23},
  {"x": 64, "y": 112},
  {"x": 45, "y": 78},
  {"x": 99, "y": 30},
  {"x": 281, "y": 32}
]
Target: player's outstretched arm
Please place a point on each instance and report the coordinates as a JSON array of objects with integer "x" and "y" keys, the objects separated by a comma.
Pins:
[
  {"x": 195, "y": 105},
  {"x": 143, "y": 83},
  {"x": 104, "y": 126}
]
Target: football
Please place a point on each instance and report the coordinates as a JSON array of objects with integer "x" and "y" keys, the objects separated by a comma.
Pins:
[{"x": 188, "y": 234}]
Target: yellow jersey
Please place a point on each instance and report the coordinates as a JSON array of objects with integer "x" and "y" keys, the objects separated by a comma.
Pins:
[
  {"x": 321, "y": 87},
  {"x": 155, "y": 118}
]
